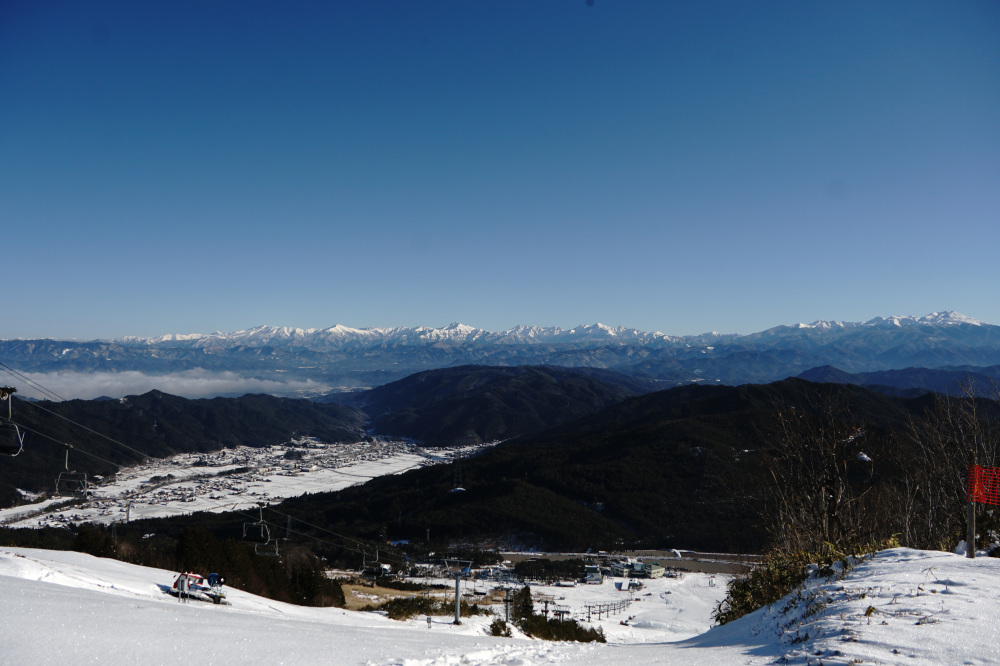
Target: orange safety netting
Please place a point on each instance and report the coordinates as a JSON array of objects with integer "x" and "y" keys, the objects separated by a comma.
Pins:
[{"x": 984, "y": 485}]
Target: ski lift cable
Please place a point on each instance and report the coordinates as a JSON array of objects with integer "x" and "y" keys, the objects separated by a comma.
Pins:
[
  {"x": 317, "y": 527},
  {"x": 58, "y": 397},
  {"x": 342, "y": 537},
  {"x": 90, "y": 430},
  {"x": 20, "y": 375},
  {"x": 259, "y": 520},
  {"x": 96, "y": 457},
  {"x": 381, "y": 551},
  {"x": 321, "y": 529},
  {"x": 345, "y": 539},
  {"x": 59, "y": 441},
  {"x": 145, "y": 456},
  {"x": 114, "y": 441},
  {"x": 232, "y": 506}
]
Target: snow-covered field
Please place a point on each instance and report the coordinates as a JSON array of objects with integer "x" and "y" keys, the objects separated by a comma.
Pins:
[
  {"x": 230, "y": 479},
  {"x": 901, "y": 607}
]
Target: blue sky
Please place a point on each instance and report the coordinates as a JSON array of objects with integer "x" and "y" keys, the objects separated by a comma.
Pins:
[{"x": 684, "y": 167}]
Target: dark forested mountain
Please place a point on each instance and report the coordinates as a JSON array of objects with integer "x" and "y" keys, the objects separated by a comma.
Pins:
[
  {"x": 341, "y": 357},
  {"x": 947, "y": 381},
  {"x": 157, "y": 425},
  {"x": 688, "y": 467},
  {"x": 474, "y": 404},
  {"x": 667, "y": 469}
]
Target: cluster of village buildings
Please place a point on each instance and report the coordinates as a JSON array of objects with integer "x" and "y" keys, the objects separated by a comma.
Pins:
[{"x": 221, "y": 480}]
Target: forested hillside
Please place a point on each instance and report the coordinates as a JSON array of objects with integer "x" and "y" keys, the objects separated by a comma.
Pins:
[
  {"x": 795, "y": 464},
  {"x": 688, "y": 467},
  {"x": 473, "y": 404}
]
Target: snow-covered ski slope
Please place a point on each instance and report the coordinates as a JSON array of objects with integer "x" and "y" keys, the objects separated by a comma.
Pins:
[{"x": 901, "y": 607}]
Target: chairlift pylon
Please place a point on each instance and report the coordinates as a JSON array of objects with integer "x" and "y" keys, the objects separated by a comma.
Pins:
[
  {"x": 459, "y": 569},
  {"x": 7, "y": 449}
]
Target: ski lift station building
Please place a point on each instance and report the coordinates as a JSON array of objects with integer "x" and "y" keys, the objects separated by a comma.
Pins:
[{"x": 632, "y": 569}]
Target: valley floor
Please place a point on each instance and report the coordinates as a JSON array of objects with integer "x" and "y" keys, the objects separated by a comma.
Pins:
[{"x": 228, "y": 480}]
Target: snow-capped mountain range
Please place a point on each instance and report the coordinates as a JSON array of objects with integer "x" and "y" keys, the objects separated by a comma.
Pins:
[
  {"x": 948, "y": 318},
  {"x": 345, "y": 357},
  {"x": 340, "y": 336}
]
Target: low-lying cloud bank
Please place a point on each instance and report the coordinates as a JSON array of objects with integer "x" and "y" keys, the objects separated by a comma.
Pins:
[{"x": 195, "y": 383}]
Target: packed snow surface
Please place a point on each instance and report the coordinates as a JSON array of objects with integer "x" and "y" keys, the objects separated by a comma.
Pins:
[{"x": 900, "y": 607}]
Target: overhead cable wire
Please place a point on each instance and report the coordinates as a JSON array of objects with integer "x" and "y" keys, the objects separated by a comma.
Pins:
[
  {"x": 228, "y": 505},
  {"x": 48, "y": 392},
  {"x": 75, "y": 448},
  {"x": 90, "y": 430},
  {"x": 349, "y": 542},
  {"x": 34, "y": 384},
  {"x": 331, "y": 532},
  {"x": 87, "y": 453},
  {"x": 355, "y": 544},
  {"x": 64, "y": 418}
]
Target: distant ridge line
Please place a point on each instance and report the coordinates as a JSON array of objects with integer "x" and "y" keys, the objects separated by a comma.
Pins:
[{"x": 457, "y": 332}]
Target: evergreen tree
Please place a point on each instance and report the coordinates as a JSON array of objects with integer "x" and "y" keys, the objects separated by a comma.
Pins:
[{"x": 522, "y": 607}]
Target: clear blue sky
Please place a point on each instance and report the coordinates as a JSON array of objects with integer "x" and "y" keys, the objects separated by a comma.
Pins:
[{"x": 174, "y": 167}]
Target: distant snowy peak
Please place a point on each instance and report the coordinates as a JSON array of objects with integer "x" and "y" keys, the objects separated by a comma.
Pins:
[
  {"x": 948, "y": 318},
  {"x": 454, "y": 333},
  {"x": 619, "y": 333},
  {"x": 532, "y": 332},
  {"x": 172, "y": 337},
  {"x": 339, "y": 336},
  {"x": 274, "y": 333}
]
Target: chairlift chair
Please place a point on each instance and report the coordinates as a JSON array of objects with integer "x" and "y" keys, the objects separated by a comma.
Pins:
[
  {"x": 7, "y": 447},
  {"x": 12, "y": 447},
  {"x": 73, "y": 484},
  {"x": 373, "y": 569},
  {"x": 70, "y": 482},
  {"x": 264, "y": 545},
  {"x": 269, "y": 549}
]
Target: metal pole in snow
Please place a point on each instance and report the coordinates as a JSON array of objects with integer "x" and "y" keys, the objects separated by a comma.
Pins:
[
  {"x": 970, "y": 537},
  {"x": 458, "y": 614}
]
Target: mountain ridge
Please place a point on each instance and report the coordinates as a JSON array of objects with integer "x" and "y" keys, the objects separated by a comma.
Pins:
[
  {"x": 523, "y": 333},
  {"x": 311, "y": 362}
]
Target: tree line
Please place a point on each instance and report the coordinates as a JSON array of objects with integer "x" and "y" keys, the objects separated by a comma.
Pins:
[
  {"x": 298, "y": 576},
  {"x": 830, "y": 474}
]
